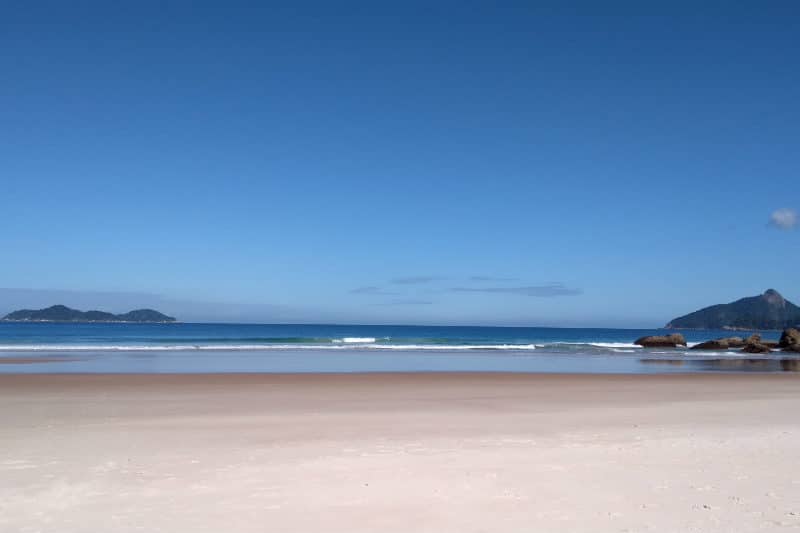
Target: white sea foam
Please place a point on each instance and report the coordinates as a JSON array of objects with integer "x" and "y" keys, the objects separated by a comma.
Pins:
[
  {"x": 355, "y": 340},
  {"x": 698, "y": 354},
  {"x": 596, "y": 344},
  {"x": 100, "y": 348},
  {"x": 614, "y": 344},
  {"x": 448, "y": 347},
  {"x": 352, "y": 345}
]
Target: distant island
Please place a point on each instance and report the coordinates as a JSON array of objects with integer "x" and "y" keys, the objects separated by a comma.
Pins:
[
  {"x": 62, "y": 313},
  {"x": 766, "y": 311}
]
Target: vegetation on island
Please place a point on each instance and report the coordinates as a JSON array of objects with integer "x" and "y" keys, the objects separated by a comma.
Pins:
[
  {"x": 768, "y": 311},
  {"x": 62, "y": 313}
]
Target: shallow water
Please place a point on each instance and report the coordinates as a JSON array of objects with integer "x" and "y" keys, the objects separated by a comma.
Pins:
[{"x": 170, "y": 348}]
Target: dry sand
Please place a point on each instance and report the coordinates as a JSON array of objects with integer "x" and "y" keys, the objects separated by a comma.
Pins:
[{"x": 400, "y": 453}]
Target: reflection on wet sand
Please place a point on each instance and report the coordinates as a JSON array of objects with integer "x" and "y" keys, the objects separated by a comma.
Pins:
[
  {"x": 790, "y": 365},
  {"x": 34, "y": 360},
  {"x": 731, "y": 365},
  {"x": 670, "y": 362}
]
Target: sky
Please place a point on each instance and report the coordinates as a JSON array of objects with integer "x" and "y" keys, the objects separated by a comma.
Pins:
[{"x": 605, "y": 164}]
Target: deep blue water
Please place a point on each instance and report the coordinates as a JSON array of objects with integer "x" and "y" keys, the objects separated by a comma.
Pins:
[{"x": 346, "y": 348}]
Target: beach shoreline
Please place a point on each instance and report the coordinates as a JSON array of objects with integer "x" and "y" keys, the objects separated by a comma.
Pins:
[{"x": 399, "y": 452}]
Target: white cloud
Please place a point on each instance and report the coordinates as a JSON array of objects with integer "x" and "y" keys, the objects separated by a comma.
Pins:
[
  {"x": 491, "y": 278},
  {"x": 549, "y": 290},
  {"x": 371, "y": 289},
  {"x": 406, "y": 302},
  {"x": 413, "y": 280},
  {"x": 784, "y": 218}
]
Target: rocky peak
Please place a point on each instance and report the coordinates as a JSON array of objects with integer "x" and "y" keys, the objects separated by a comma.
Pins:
[
  {"x": 774, "y": 297},
  {"x": 769, "y": 310}
]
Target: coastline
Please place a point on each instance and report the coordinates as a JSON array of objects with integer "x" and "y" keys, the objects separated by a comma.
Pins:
[
  {"x": 399, "y": 451},
  {"x": 45, "y": 321}
]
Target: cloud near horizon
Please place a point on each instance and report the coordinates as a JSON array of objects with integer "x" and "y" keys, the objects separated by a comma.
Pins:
[
  {"x": 372, "y": 290},
  {"x": 414, "y": 280},
  {"x": 550, "y": 290},
  {"x": 405, "y": 302},
  {"x": 783, "y": 218}
]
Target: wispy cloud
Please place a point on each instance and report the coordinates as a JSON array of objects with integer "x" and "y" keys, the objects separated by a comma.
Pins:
[
  {"x": 406, "y": 302},
  {"x": 784, "y": 218},
  {"x": 491, "y": 278},
  {"x": 549, "y": 290},
  {"x": 372, "y": 290},
  {"x": 414, "y": 280}
]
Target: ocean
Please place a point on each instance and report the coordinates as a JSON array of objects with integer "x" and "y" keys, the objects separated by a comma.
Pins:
[{"x": 186, "y": 347}]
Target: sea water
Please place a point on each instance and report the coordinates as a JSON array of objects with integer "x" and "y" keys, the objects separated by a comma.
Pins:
[{"x": 184, "y": 347}]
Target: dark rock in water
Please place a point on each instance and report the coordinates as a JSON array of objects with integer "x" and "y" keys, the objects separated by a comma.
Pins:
[
  {"x": 754, "y": 344},
  {"x": 755, "y": 347},
  {"x": 661, "y": 341},
  {"x": 789, "y": 337},
  {"x": 766, "y": 311},
  {"x": 720, "y": 344}
]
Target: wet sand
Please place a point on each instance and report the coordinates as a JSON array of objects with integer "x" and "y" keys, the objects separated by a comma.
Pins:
[
  {"x": 399, "y": 452},
  {"x": 38, "y": 360}
]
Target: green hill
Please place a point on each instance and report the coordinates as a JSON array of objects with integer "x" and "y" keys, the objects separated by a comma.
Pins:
[
  {"x": 62, "y": 313},
  {"x": 766, "y": 311}
]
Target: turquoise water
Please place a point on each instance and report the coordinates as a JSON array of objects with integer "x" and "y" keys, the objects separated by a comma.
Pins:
[{"x": 51, "y": 347}]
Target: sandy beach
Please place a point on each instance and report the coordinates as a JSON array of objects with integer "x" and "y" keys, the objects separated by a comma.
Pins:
[{"x": 399, "y": 452}]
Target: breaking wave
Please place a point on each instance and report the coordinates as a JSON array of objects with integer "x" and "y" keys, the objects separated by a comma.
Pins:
[{"x": 343, "y": 345}]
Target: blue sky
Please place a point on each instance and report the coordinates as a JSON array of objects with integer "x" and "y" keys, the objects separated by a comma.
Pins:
[{"x": 450, "y": 162}]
